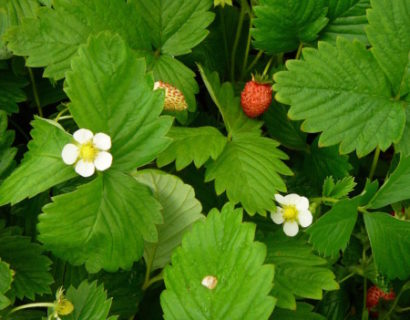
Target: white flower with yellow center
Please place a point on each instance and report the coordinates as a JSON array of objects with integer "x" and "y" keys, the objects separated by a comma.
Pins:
[
  {"x": 294, "y": 211},
  {"x": 88, "y": 153}
]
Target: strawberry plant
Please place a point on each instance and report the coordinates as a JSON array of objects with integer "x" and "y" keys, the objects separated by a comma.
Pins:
[{"x": 199, "y": 159}]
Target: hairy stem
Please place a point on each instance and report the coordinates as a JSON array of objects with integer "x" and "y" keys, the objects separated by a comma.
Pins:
[
  {"x": 35, "y": 92},
  {"x": 33, "y": 305}
]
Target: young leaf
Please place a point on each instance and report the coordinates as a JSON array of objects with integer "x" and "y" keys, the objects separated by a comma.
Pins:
[
  {"x": 396, "y": 188},
  {"x": 390, "y": 242},
  {"x": 298, "y": 272},
  {"x": 175, "y": 26},
  {"x": 180, "y": 210},
  {"x": 343, "y": 92},
  {"x": 339, "y": 189},
  {"x": 7, "y": 152},
  {"x": 280, "y": 26},
  {"x": 42, "y": 163},
  {"x": 304, "y": 311},
  {"x": 11, "y": 92},
  {"x": 332, "y": 232},
  {"x": 111, "y": 93},
  {"x": 54, "y": 37},
  {"x": 222, "y": 247},
  {"x": 248, "y": 170},
  {"x": 389, "y": 34},
  {"x": 6, "y": 278},
  {"x": 90, "y": 302},
  {"x": 192, "y": 145},
  {"x": 102, "y": 223}
]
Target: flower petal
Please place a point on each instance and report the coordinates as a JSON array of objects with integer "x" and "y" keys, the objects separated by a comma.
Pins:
[
  {"x": 291, "y": 229},
  {"x": 83, "y": 136},
  {"x": 103, "y": 160},
  {"x": 280, "y": 199},
  {"x": 305, "y": 218},
  {"x": 70, "y": 153},
  {"x": 85, "y": 168},
  {"x": 277, "y": 216},
  {"x": 302, "y": 204},
  {"x": 102, "y": 141}
]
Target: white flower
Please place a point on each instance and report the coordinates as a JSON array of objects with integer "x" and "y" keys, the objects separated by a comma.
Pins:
[
  {"x": 88, "y": 153},
  {"x": 294, "y": 211}
]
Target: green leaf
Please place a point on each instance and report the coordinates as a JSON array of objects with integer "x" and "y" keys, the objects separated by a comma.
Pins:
[
  {"x": 42, "y": 163},
  {"x": 6, "y": 278},
  {"x": 54, "y": 37},
  {"x": 175, "y": 27},
  {"x": 343, "y": 92},
  {"x": 236, "y": 122},
  {"x": 111, "y": 93},
  {"x": 31, "y": 267},
  {"x": 347, "y": 19},
  {"x": 298, "y": 272},
  {"x": 304, "y": 311},
  {"x": 90, "y": 302},
  {"x": 280, "y": 26},
  {"x": 331, "y": 233},
  {"x": 396, "y": 187},
  {"x": 102, "y": 223},
  {"x": 11, "y": 92},
  {"x": 221, "y": 246},
  {"x": 403, "y": 145},
  {"x": 248, "y": 170},
  {"x": 390, "y": 242},
  {"x": 192, "y": 145},
  {"x": 339, "y": 189},
  {"x": 180, "y": 210},
  {"x": 7, "y": 153},
  {"x": 389, "y": 34}
]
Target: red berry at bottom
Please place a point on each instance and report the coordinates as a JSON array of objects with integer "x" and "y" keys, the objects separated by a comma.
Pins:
[
  {"x": 374, "y": 294},
  {"x": 256, "y": 98}
]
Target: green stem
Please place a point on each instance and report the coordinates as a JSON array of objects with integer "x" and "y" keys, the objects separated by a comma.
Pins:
[
  {"x": 35, "y": 92},
  {"x": 33, "y": 305},
  {"x": 267, "y": 67},
  {"x": 236, "y": 41},
  {"x": 299, "y": 52},
  {"x": 60, "y": 114},
  {"x": 324, "y": 199},
  {"x": 151, "y": 281},
  {"x": 396, "y": 301},
  {"x": 347, "y": 277},
  {"x": 248, "y": 45},
  {"x": 66, "y": 117},
  {"x": 374, "y": 163},
  {"x": 364, "y": 264},
  {"x": 401, "y": 310},
  {"x": 224, "y": 35},
  {"x": 147, "y": 279},
  {"x": 19, "y": 129},
  {"x": 254, "y": 61}
]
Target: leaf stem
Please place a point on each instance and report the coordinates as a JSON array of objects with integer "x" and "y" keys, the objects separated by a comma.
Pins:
[
  {"x": 60, "y": 114},
  {"x": 35, "y": 92},
  {"x": 324, "y": 199},
  {"x": 33, "y": 305},
  {"x": 150, "y": 261},
  {"x": 374, "y": 163},
  {"x": 364, "y": 264},
  {"x": 224, "y": 35},
  {"x": 151, "y": 281},
  {"x": 248, "y": 45},
  {"x": 299, "y": 52},
  {"x": 347, "y": 277},
  {"x": 254, "y": 61},
  {"x": 236, "y": 41},
  {"x": 267, "y": 66}
]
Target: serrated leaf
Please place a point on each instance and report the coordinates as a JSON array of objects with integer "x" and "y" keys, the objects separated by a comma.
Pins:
[
  {"x": 396, "y": 187},
  {"x": 175, "y": 26},
  {"x": 42, "y": 163},
  {"x": 298, "y": 272},
  {"x": 11, "y": 92},
  {"x": 90, "y": 302},
  {"x": 390, "y": 242},
  {"x": 7, "y": 152},
  {"x": 342, "y": 92},
  {"x": 331, "y": 233},
  {"x": 236, "y": 122},
  {"x": 248, "y": 170},
  {"x": 389, "y": 34},
  {"x": 192, "y": 145},
  {"x": 31, "y": 267},
  {"x": 102, "y": 223},
  {"x": 111, "y": 93},
  {"x": 54, "y": 37},
  {"x": 339, "y": 189},
  {"x": 304, "y": 311},
  {"x": 347, "y": 19},
  {"x": 180, "y": 210},
  {"x": 223, "y": 247},
  {"x": 6, "y": 278},
  {"x": 280, "y": 26}
]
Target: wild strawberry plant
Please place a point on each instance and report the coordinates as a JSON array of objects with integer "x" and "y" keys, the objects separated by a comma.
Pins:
[{"x": 198, "y": 159}]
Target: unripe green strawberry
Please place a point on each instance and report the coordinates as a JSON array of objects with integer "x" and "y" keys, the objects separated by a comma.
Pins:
[
  {"x": 256, "y": 97},
  {"x": 174, "y": 98}
]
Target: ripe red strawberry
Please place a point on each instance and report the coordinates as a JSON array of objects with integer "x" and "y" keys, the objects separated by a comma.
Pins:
[
  {"x": 174, "y": 98},
  {"x": 256, "y": 98},
  {"x": 374, "y": 294}
]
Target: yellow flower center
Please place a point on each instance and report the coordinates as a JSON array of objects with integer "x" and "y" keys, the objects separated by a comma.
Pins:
[
  {"x": 290, "y": 212},
  {"x": 88, "y": 152}
]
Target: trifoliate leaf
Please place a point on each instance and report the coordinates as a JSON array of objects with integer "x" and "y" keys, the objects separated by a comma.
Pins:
[
  {"x": 347, "y": 19},
  {"x": 31, "y": 267},
  {"x": 54, "y": 37},
  {"x": 90, "y": 302},
  {"x": 403, "y": 145},
  {"x": 192, "y": 145},
  {"x": 102, "y": 223},
  {"x": 304, "y": 311},
  {"x": 180, "y": 210},
  {"x": 11, "y": 92},
  {"x": 396, "y": 187},
  {"x": 42, "y": 163},
  {"x": 332, "y": 231},
  {"x": 218, "y": 272},
  {"x": 389, "y": 34},
  {"x": 175, "y": 27},
  {"x": 280, "y": 26},
  {"x": 298, "y": 272},
  {"x": 390, "y": 242},
  {"x": 248, "y": 170},
  {"x": 343, "y": 92},
  {"x": 7, "y": 153},
  {"x": 236, "y": 122},
  {"x": 339, "y": 189},
  {"x": 111, "y": 93},
  {"x": 6, "y": 278}
]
